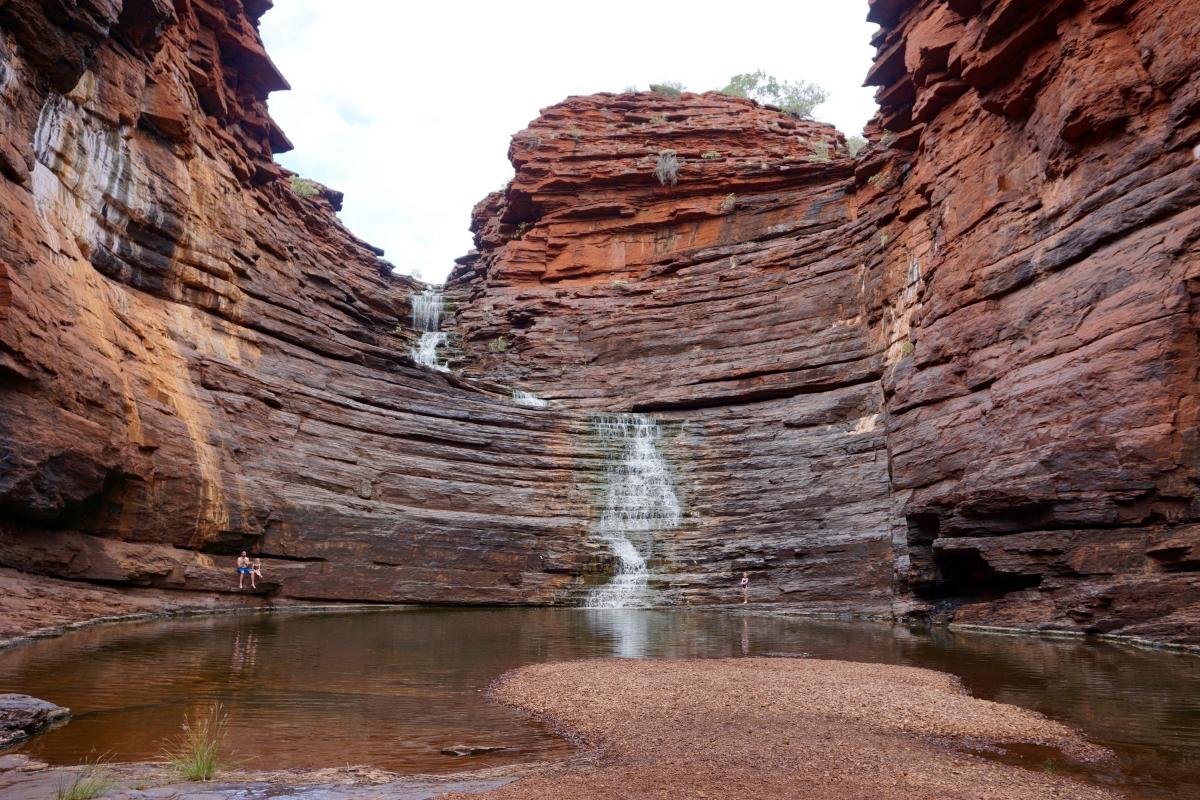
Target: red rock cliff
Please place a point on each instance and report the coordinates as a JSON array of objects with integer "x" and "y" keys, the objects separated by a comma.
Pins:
[
  {"x": 967, "y": 355},
  {"x": 196, "y": 359},
  {"x": 950, "y": 377}
]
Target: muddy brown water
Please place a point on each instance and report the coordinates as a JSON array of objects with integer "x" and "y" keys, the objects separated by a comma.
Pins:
[{"x": 391, "y": 688}]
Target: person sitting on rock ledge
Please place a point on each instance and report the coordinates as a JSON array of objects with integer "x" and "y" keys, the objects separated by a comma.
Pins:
[
  {"x": 255, "y": 572},
  {"x": 243, "y": 569}
]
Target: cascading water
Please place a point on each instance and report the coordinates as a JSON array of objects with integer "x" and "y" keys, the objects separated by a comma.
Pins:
[
  {"x": 427, "y": 319},
  {"x": 639, "y": 498},
  {"x": 528, "y": 399}
]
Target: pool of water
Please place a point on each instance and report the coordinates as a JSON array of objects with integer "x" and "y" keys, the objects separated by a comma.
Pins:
[{"x": 392, "y": 688}]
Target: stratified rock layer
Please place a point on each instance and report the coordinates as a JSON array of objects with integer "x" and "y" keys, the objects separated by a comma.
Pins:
[
  {"x": 196, "y": 359},
  {"x": 952, "y": 376},
  {"x": 954, "y": 373}
]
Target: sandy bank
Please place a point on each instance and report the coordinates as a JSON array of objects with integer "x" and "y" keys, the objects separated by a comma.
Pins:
[{"x": 780, "y": 728}]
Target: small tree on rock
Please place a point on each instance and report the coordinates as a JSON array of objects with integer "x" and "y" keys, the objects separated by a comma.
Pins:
[{"x": 797, "y": 98}]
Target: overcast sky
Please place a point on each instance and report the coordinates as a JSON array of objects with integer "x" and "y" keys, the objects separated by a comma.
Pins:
[{"x": 408, "y": 107}]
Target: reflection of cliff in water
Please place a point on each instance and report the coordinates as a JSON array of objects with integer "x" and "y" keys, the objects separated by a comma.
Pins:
[{"x": 370, "y": 680}]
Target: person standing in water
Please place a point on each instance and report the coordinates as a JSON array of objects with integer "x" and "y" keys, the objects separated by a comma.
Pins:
[
  {"x": 745, "y": 588},
  {"x": 243, "y": 569}
]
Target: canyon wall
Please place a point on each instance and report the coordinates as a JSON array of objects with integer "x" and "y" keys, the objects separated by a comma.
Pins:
[
  {"x": 949, "y": 378},
  {"x": 196, "y": 358},
  {"x": 968, "y": 353}
]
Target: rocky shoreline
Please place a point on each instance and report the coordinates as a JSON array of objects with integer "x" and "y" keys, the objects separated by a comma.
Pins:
[{"x": 758, "y": 727}]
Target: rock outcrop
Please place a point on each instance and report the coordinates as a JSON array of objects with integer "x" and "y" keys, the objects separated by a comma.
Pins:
[
  {"x": 949, "y": 378},
  {"x": 22, "y": 716}
]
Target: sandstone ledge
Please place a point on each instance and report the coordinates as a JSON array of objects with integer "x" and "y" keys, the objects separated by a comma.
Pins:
[{"x": 780, "y": 728}]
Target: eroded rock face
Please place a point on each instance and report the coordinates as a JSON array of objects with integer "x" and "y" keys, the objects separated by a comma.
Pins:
[
  {"x": 950, "y": 377},
  {"x": 968, "y": 354},
  {"x": 1037, "y": 298},
  {"x": 196, "y": 360}
]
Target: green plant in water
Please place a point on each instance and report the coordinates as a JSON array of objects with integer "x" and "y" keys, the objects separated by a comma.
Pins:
[
  {"x": 304, "y": 187},
  {"x": 92, "y": 780},
  {"x": 708, "y": 155},
  {"x": 196, "y": 754},
  {"x": 499, "y": 344}
]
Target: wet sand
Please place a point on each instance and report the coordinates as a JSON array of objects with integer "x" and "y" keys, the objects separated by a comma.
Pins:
[{"x": 760, "y": 728}]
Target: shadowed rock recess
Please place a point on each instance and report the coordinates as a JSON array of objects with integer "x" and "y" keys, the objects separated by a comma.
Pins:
[{"x": 954, "y": 377}]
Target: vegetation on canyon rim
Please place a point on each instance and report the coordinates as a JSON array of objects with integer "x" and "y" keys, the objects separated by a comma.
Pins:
[
  {"x": 196, "y": 754},
  {"x": 797, "y": 98},
  {"x": 304, "y": 187}
]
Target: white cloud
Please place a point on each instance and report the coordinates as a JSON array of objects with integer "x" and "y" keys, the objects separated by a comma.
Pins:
[{"x": 408, "y": 108}]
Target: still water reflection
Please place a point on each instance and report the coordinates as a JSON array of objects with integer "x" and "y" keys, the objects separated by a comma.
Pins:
[{"x": 391, "y": 688}]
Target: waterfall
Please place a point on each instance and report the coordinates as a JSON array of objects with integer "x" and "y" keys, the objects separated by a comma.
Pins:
[
  {"x": 639, "y": 497},
  {"x": 427, "y": 319},
  {"x": 528, "y": 399}
]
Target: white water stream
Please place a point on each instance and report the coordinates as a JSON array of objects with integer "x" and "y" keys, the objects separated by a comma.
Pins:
[
  {"x": 427, "y": 319},
  {"x": 639, "y": 498}
]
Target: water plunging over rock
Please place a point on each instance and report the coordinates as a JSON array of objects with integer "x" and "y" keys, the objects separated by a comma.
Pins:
[
  {"x": 427, "y": 318},
  {"x": 639, "y": 497},
  {"x": 529, "y": 399}
]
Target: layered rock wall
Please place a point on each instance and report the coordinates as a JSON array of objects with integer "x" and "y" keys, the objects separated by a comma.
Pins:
[
  {"x": 951, "y": 377},
  {"x": 990, "y": 322},
  {"x": 197, "y": 359}
]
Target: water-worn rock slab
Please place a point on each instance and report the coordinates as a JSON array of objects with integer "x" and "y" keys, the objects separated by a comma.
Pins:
[
  {"x": 22, "y": 716},
  {"x": 780, "y": 728}
]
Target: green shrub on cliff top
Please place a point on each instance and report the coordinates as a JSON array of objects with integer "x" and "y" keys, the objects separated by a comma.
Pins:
[
  {"x": 797, "y": 98},
  {"x": 304, "y": 187},
  {"x": 669, "y": 88}
]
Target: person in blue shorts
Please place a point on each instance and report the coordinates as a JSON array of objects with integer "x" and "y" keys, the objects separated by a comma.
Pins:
[{"x": 243, "y": 569}]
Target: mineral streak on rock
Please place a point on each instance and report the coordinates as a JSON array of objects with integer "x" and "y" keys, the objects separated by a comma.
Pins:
[{"x": 954, "y": 376}]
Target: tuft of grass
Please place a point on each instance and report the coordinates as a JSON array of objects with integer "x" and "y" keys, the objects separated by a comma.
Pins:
[
  {"x": 820, "y": 152},
  {"x": 658, "y": 119},
  {"x": 576, "y": 133},
  {"x": 727, "y": 203},
  {"x": 196, "y": 754},
  {"x": 666, "y": 169},
  {"x": 668, "y": 88},
  {"x": 304, "y": 187},
  {"x": 906, "y": 348},
  {"x": 709, "y": 155},
  {"x": 854, "y": 144},
  {"x": 92, "y": 780},
  {"x": 520, "y": 231},
  {"x": 499, "y": 344}
]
